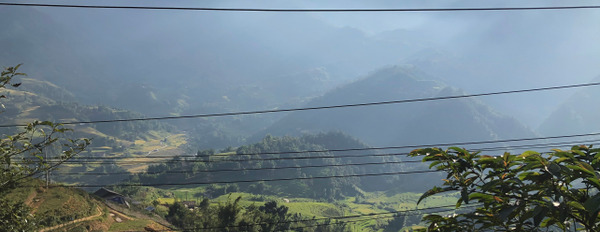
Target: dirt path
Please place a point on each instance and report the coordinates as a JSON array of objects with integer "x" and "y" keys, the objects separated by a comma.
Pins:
[
  {"x": 34, "y": 205},
  {"x": 75, "y": 221},
  {"x": 121, "y": 215},
  {"x": 29, "y": 199},
  {"x": 162, "y": 225}
]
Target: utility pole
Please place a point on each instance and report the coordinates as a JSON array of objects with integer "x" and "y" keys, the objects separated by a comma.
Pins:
[{"x": 47, "y": 169}]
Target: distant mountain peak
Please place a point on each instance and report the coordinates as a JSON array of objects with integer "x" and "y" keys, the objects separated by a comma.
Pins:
[{"x": 443, "y": 121}]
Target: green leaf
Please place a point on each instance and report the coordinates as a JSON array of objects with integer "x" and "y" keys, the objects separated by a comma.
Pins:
[
  {"x": 489, "y": 185},
  {"x": 528, "y": 175},
  {"x": 539, "y": 213},
  {"x": 549, "y": 222},
  {"x": 554, "y": 169},
  {"x": 580, "y": 168},
  {"x": 464, "y": 194},
  {"x": 505, "y": 212},
  {"x": 529, "y": 153},
  {"x": 576, "y": 205},
  {"x": 459, "y": 150},
  {"x": 592, "y": 204},
  {"x": 434, "y": 163},
  {"x": 587, "y": 167},
  {"x": 562, "y": 159},
  {"x": 433, "y": 191},
  {"x": 594, "y": 181},
  {"x": 482, "y": 197}
]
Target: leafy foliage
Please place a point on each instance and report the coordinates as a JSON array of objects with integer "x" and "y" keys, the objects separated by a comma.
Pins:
[
  {"x": 526, "y": 192},
  {"x": 233, "y": 217},
  {"x": 198, "y": 169},
  {"x": 22, "y": 155},
  {"x": 16, "y": 217}
]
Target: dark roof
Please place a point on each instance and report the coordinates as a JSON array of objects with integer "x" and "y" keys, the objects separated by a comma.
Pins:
[
  {"x": 189, "y": 204},
  {"x": 105, "y": 193}
]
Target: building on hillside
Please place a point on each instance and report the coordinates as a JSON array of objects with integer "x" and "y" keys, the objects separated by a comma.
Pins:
[
  {"x": 113, "y": 196},
  {"x": 189, "y": 204}
]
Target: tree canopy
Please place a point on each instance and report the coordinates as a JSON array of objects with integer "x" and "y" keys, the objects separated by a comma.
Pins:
[
  {"x": 23, "y": 155},
  {"x": 556, "y": 191}
]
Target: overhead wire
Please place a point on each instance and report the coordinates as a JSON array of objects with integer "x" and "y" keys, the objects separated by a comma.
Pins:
[
  {"x": 93, "y": 161},
  {"x": 297, "y": 166},
  {"x": 323, "y": 10},
  {"x": 397, "y": 213},
  {"x": 248, "y": 181},
  {"x": 378, "y": 148},
  {"x": 265, "y": 180},
  {"x": 248, "y": 169},
  {"x": 369, "y": 148},
  {"x": 260, "y": 169},
  {"x": 113, "y": 160},
  {"x": 508, "y": 147},
  {"x": 322, "y": 107},
  {"x": 270, "y": 180}
]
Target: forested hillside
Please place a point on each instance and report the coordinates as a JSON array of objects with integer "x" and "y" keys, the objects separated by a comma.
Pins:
[
  {"x": 278, "y": 162},
  {"x": 412, "y": 123},
  {"x": 576, "y": 115},
  {"x": 42, "y": 100}
]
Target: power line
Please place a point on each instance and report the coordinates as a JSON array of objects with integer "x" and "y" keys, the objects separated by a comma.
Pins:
[
  {"x": 401, "y": 212},
  {"x": 259, "y": 159},
  {"x": 398, "y": 214},
  {"x": 538, "y": 145},
  {"x": 267, "y": 180},
  {"x": 402, "y": 147},
  {"x": 303, "y": 10},
  {"x": 118, "y": 160},
  {"x": 248, "y": 169},
  {"x": 93, "y": 161},
  {"x": 84, "y": 160},
  {"x": 253, "y": 181},
  {"x": 323, "y": 107},
  {"x": 292, "y": 167}
]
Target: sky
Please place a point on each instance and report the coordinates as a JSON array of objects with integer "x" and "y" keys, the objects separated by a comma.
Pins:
[{"x": 482, "y": 51}]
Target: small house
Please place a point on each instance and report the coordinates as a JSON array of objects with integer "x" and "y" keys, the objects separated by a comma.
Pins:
[
  {"x": 113, "y": 196},
  {"x": 189, "y": 204}
]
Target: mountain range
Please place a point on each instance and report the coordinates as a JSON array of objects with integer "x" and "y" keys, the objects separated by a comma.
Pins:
[{"x": 443, "y": 121}]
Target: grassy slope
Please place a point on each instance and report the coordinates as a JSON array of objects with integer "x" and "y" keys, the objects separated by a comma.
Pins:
[
  {"x": 59, "y": 205},
  {"x": 40, "y": 100},
  {"x": 55, "y": 205}
]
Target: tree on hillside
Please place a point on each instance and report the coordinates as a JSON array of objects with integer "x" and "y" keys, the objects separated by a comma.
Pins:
[
  {"x": 557, "y": 191},
  {"x": 232, "y": 216},
  {"x": 23, "y": 156}
]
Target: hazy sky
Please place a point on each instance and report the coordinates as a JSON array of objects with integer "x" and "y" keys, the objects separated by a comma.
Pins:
[{"x": 497, "y": 50}]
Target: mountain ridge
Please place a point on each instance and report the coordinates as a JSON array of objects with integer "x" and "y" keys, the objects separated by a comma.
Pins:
[{"x": 402, "y": 123}]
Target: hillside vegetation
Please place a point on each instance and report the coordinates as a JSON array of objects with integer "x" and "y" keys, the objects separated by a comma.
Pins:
[
  {"x": 402, "y": 124},
  {"x": 281, "y": 165},
  {"x": 574, "y": 116},
  {"x": 42, "y": 100},
  {"x": 69, "y": 209}
]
